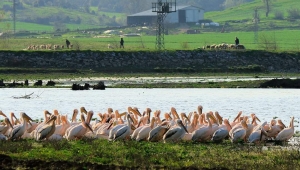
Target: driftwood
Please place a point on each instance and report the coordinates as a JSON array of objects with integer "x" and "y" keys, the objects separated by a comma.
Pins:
[{"x": 28, "y": 96}]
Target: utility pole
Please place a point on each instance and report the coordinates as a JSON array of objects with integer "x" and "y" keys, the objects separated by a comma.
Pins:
[
  {"x": 162, "y": 9},
  {"x": 14, "y": 15},
  {"x": 256, "y": 21}
]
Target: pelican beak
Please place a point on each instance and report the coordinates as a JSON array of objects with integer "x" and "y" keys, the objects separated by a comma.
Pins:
[
  {"x": 184, "y": 127},
  {"x": 139, "y": 123},
  {"x": 27, "y": 118},
  {"x": 132, "y": 127},
  {"x": 1, "y": 113},
  {"x": 219, "y": 117},
  {"x": 135, "y": 111},
  {"x": 129, "y": 117},
  {"x": 48, "y": 113},
  {"x": 239, "y": 114},
  {"x": 173, "y": 110},
  {"x": 52, "y": 118},
  {"x": 212, "y": 118},
  {"x": 110, "y": 125},
  {"x": 87, "y": 125},
  {"x": 8, "y": 123}
]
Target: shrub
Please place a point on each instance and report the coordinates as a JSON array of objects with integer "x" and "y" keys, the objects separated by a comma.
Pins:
[
  {"x": 279, "y": 15},
  {"x": 294, "y": 13}
]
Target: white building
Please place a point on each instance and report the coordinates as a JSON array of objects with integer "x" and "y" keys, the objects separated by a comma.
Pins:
[{"x": 183, "y": 14}]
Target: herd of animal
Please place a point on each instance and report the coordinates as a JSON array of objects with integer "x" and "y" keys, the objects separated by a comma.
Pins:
[
  {"x": 150, "y": 126},
  {"x": 224, "y": 46},
  {"x": 47, "y": 47}
]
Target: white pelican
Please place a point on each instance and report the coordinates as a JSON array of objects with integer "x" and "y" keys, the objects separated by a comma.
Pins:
[
  {"x": 258, "y": 135},
  {"x": 286, "y": 133},
  {"x": 205, "y": 132},
  {"x": 176, "y": 133},
  {"x": 78, "y": 131},
  {"x": 124, "y": 131},
  {"x": 139, "y": 127},
  {"x": 240, "y": 133},
  {"x": 4, "y": 128},
  {"x": 17, "y": 132},
  {"x": 157, "y": 133},
  {"x": 47, "y": 129},
  {"x": 275, "y": 129},
  {"x": 222, "y": 132},
  {"x": 61, "y": 129},
  {"x": 144, "y": 132}
]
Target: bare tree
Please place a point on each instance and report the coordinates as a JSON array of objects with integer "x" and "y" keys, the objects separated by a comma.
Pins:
[{"x": 268, "y": 6}]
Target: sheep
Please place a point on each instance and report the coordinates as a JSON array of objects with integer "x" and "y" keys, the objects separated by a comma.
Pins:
[
  {"x": 71, "y": 46},
  {"x": 109, "y": 46}
]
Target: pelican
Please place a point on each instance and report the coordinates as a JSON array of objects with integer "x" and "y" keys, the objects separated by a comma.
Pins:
[
  {"x": 234, "y": 122},
  {"x": 4, "y": 128},
  {"x": 286, "y": 133},
  {"x": 78, "y": 131},
  {"x": 124, "y": 131},
  {"x": 240, "y": 133},
  {"x": 47, "y": 129},
  {"x": 17, "y": 132},
  {"x": 275, "y": 129},
  {"x": 204, "y": 133},
  {"x": 222, "y": 132},
  {"x": 157, "y": 133},
  {"x": 175, "y": 134},
  {"x": 259, "y": 134},
  {"x": 144, "y": 132},
  {"x": 139, "y": 127}
]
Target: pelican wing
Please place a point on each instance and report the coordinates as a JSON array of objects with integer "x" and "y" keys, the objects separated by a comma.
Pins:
[
  {"x": 43, "y": 132},
  {"x": 122, "y": 133}
]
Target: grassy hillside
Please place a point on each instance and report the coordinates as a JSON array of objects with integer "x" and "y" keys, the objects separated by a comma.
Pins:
[{"x": 246, "y": 10}]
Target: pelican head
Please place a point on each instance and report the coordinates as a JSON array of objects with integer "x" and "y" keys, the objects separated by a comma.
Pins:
[
  {"x": 183, "y": 115},
  {"x": 26, "y": 117},
  {"x": 82, "y": 110},
  {"x": 110, "y": 110},
  {"x": 52, "y": 119}
]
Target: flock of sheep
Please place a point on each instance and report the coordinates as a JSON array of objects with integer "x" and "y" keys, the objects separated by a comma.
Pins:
[
  {"x": 47, "y": 47},
  {"x": 224, "y": 46}
]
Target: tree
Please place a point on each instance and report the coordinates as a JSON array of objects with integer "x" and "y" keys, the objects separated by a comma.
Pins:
[{"x": 268, "y": 6}]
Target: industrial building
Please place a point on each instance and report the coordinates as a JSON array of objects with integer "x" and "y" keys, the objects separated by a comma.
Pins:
[{"x": 183, "y": 14}]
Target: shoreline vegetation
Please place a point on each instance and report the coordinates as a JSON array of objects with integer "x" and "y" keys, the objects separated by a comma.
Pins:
[
  {"x": 64, "y": 78},
  {"x": 102, "y": 154}
]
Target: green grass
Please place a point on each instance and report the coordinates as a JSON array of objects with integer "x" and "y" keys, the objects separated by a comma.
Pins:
[
  {"x": 245, "y": 11},
  {"x": 132, "y": 154},
  {"x": 285, "y": 39}
]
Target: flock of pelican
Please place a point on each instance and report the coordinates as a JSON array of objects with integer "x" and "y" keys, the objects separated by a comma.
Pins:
[{"x": 196, "y": 126}]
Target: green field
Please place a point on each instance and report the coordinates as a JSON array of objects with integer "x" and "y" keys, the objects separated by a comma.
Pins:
[{"x": 285, "y": 40}]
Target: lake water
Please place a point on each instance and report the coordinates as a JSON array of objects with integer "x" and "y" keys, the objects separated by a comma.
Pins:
[{"x": 265, "y": 103}]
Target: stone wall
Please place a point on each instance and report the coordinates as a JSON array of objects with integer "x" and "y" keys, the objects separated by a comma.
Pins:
[{"x": 195, "y": 59}]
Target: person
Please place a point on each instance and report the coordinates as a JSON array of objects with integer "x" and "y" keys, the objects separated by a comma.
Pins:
[
  {"x": 68, "y": 43},
  {"x": 122, "y": 43},
  {"x": 237, "y": 41}
]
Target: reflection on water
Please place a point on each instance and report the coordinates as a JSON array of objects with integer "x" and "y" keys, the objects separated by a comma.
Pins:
[{"x": 265, "y": 103}]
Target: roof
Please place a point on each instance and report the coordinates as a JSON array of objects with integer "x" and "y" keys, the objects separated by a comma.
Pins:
[{"x": 150, "y": 13}]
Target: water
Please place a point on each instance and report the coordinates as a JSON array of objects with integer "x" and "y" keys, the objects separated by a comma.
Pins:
[{"x": 265, "y": 103}]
